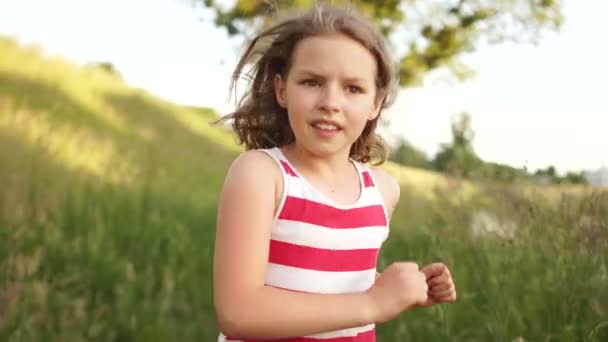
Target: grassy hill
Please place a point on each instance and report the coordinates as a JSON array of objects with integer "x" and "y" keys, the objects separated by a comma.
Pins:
[{"x": 107, "y": 213}]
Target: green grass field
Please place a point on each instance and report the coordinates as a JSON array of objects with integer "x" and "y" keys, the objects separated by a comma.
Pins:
[{"x": 107, "y": 219}]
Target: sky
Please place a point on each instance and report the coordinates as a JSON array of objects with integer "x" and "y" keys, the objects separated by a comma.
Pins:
[{"x": 530, "y": 105}]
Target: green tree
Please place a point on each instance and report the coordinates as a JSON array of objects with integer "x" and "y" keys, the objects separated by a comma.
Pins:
[
  {"x": 549, "y": 172},
  {"x": 425, "y": 34},
  {"x": 569, "y": 178},
  {"x": 574, "y": 178},
  {"x": 458, "y": 158},
  {"x": 405, "y": 153},
  {"x": 502, "y": 172}
]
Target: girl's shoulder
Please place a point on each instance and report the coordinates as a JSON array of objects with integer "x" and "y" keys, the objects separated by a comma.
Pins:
[
  {"x": 253, "y": 174},
  {"x": 254, "y": 162},
  {"x": 253, "y": 166},
  {"x": 388, "y": 187}
]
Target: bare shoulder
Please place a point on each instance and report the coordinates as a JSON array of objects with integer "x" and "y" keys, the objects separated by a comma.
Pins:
[
  {"x": 388, "y": 186},
  {"x": 256, "y": 162},
  {"x": 254, "y": 172}
]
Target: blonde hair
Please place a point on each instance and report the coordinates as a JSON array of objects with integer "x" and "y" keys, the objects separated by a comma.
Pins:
[{"x": 260, "y": 122}]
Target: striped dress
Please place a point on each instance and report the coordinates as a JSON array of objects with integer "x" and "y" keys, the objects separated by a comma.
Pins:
[{"x": 317, "y": 246}]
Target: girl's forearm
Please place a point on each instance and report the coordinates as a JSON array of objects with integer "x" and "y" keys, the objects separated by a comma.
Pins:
[{"x": 271, "y": 313}]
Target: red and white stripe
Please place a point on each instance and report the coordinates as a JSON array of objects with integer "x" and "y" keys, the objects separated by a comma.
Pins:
[
  {"x": 359, "y": 334},
  {"x": 313, "y": 281},
  {"x": 320, "y": 247}
]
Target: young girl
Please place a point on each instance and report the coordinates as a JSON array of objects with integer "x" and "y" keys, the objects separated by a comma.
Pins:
[{"x": 302, "y": 215}]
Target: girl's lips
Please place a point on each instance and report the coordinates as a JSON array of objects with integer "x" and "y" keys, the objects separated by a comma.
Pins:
[
  {"x": 325, "y": 133},
  {"x": 326, "y": 124}
]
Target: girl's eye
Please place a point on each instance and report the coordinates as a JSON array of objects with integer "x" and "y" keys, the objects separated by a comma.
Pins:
[
  {"x": 310, "y": 83},
  {"x": 355, "y": 89}
]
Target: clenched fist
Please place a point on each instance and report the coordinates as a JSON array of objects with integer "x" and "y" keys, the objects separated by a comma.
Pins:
[
  {"x": 440, "y": 283},
  {"x": 401, "y": 286}
]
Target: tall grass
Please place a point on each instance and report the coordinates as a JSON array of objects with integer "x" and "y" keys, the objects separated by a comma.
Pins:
[
  {"x": 546, "y": 281},
  {"x": 108, "y": 265},
  {"x": 107, "y": 214}
]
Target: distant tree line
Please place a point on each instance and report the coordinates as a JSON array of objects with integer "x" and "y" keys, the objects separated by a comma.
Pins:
[{"x": 458, "y": 158}]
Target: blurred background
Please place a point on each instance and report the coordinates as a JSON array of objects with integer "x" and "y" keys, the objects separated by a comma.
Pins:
[{"x": 110, "y": 168}]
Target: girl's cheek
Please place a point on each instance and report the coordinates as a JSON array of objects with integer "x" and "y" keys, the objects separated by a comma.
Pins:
[{"x": 361, "y": 108}]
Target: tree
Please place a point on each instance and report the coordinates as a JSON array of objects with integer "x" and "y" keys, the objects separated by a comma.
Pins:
[
  {"x": 405, "y": 153},
  {"x": 570, "y": 177},
  {"x": 548, "y": 172},
  {"x": 502, "y": 172},
  {"x": 458, "y": 158},
  {"x": 426, "y": 35},
  {"x": 574, "y": 178}
]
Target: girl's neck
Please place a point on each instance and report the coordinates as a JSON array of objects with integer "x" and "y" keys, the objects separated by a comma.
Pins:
[{"x": 324, "y": 166}]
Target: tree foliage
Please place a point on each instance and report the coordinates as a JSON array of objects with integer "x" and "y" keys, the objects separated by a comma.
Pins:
[
  {"x": 405, "y": 153},
  {"x": 550, "y": 174},
  {"x": 425, "y": 34},
  {"x": 458, "y": 158}
]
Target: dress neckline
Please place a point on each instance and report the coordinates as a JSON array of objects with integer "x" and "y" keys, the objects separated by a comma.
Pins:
[{"x": 321, "y": 195}]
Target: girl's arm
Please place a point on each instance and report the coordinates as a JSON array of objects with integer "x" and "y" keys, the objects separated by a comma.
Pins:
[{"x": 245, "y": 307}]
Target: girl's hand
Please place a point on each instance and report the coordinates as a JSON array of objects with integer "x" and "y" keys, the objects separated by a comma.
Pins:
[
  {"x": 401, "y": 286},
  {"x": 440, "y": 283}
]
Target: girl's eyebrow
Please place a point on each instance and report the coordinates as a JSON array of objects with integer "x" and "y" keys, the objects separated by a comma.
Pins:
[{"x": 306, "y": 72}]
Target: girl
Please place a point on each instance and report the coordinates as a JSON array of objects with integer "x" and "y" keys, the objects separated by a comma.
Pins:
[{"x": 302, "y": 216}]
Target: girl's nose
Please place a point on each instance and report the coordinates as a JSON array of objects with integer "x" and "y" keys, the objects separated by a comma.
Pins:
[{"x": 330, "y": 99}]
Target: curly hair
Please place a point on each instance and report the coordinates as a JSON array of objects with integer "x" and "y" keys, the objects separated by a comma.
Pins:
[{"x": 260, "y": 122}]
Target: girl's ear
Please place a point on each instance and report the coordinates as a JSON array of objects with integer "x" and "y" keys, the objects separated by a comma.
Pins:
[{"x": 279, "y": 90}]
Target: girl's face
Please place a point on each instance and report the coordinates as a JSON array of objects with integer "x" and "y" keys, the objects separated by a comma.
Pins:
[{"x": 329, "y": 93}]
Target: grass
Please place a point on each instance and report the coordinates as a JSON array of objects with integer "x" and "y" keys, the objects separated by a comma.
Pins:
[{"x": 107, "y": 218}]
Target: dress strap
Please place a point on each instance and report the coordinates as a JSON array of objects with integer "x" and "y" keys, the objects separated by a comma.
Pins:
[
  {"x": 365, "y": 172},
  {"x": 278, "y": 156}
]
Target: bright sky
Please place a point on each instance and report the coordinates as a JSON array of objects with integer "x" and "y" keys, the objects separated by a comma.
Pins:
[{"x": 530, "y": 105}]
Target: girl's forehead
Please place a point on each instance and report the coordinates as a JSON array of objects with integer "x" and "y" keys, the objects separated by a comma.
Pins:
[{"x": 333, "y": 54}]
